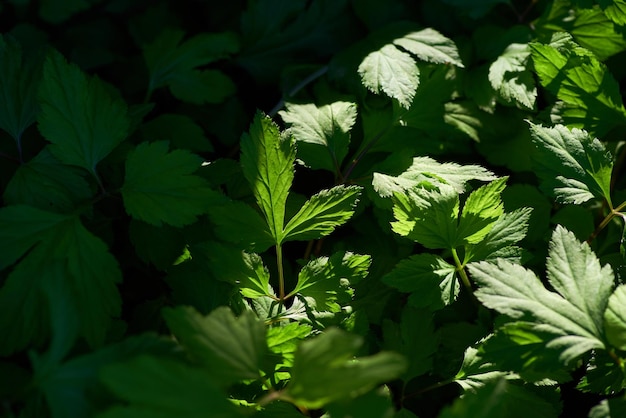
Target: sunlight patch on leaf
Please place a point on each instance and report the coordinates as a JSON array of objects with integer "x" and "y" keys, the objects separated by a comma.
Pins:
[
  {"x": 511, "y": 77},
  {"x": 573, "y": 165}
]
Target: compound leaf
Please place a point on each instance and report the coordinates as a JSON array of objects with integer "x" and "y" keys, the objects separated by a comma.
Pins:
[
  {"x": 267, "y": 159},
  {"x": 322, "y": 213},
  {"x": 79, "y": 114},
  {"x": 327, "y": 280},
  {"x": 429, "y": 277},
  {"x": 323, "y": 133},
  {"x": 572, "y": 318},
  {"x": 591, "y": 96},
  {"x": 230, "y": 348},
  {"x": 159, "y": 186},
  {"x": 56, "y": 249},
  {"x": 325, "y": 369},
  {"x": 427, "y": 216},
  {"x": 573, "y": 165},
  {"x": 160, "y": 388}
]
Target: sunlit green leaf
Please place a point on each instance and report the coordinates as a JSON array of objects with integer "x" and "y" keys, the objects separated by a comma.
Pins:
[
  {"x": 615, "y": 319},
  {"x": 510, "y": 76},
  {"x": 482, "y": 209}
]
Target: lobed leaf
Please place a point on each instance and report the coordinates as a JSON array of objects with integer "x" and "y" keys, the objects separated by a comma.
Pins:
[
  {"x": 325, "y": 369},
  {"x": 573, "y": 165},
  {"x": 591, "y": 96},
  {"x": 158, "y": 387},
  {"x": 511, "y": 77},
  {"x": 571, "y": 318},
  {"x": 615, "y": 319},
  {"x": 427, "y": 216},
  {"x": 19, "y": 79},
  {"x": 322, "y": 133},
  {"x": 159, "y": 186},
  {"x": 230, "y": 348},
  {"x": 79, "y": 115},
  {"x": 481, "y": 210}
]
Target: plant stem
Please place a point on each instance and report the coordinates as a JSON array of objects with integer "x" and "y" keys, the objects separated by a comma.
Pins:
[
  {"x": 460, "y": 268},
  {"x": 608, "y": 218},
  {"x": 281, "y": 274},
  {"x": 312, "y": 77}
]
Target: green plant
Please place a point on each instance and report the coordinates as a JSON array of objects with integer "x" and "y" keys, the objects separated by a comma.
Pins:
[{"x": 429, "y": 222}]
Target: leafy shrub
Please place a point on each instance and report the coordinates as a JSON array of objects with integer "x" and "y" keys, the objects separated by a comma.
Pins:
[{"x": 324, "y": 208}]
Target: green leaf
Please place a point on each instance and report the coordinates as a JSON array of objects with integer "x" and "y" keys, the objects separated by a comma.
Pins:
[
  {"x": 323, "y": 133},
  {"x": 427, "y": 216},
  {"x": 414, "y": 337},
  {"x": 501, "y": 399},
  {"x": 326, "y": 280},
  {"x": 573, "y": 317},
  {"x": 246, "y": 270},
  {"x": 482, "y": 209},
  {"x": 174, "y": 63},
  {"x": 602, "y": 375},
  {"x": 160, "y": 388},
  {"x": 614, "y": 10},
  {"x": 593, "y": 29},
  {"x": 429, "y": 277},
  {"x": 19, "y": 79},
  {"x": 79, "y": 115},
  {"x": 57, "y": 12},
  {"x": 180, "y": 130},
  {"x": 325, "y": 370},
  {"x": 476, "y": 372},
  {"x": 267, "y": 159},
  {"x": 609, "y": 408},
  {"x": 430, "y": 46},
  {"x": 391, "y": 71},
  {"x": 241, "y": 224},
  {"x": 54, "y": 248},
  {"x": 45, "y": 183},
  {"x": 615, "y": 319},
  {"x": 573, "y": 165},
  {"x": 426, "y": 169},
  {"x": 71, "y": 388},
  {"x": 591, "y": 96},
  {"x": 510, "y": 76},
  {"x": 230, "y": 348},
  {"x": 508, "y": 230},
  {"x": 477, "y": 8},
  {"x": 161, "y": 246},
  {"x": 159, "y": 186},
  {"x": 322, "y": 213}
]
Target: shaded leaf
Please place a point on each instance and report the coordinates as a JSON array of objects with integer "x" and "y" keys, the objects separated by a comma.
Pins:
[{"x": 159, "y": 186}]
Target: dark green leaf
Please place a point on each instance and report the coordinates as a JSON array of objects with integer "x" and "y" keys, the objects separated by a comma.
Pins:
[
  {"x": 180, "y": 130},
  {"x": 230, "y": 348},
  {"x": 430, "y": 278},
  {"x": 79, "y": 115},
  {"x": 325, "y": 369},
  {"x": 161, "y": 388},
  {"x": 159, "y": 186},
  {"x": 19, "y": 79}
]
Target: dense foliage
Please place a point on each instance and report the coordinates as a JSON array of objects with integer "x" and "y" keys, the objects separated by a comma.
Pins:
[{"x": 287, "y": 208}]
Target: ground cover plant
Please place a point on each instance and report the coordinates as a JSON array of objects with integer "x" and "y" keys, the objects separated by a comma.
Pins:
[{"x": 323, "y": 208}]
